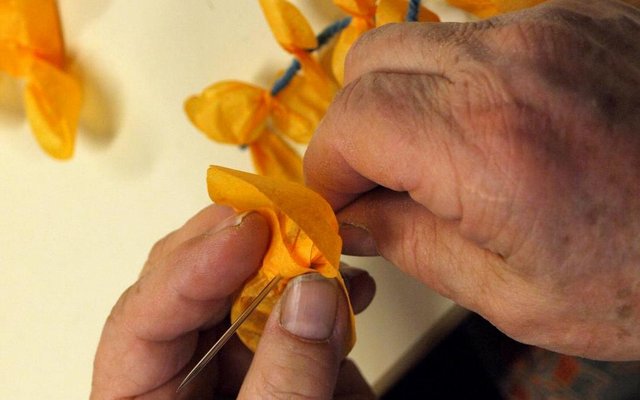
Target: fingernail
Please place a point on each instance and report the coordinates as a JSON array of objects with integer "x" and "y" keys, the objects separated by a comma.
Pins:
[
  {"x": 233, "y": 220},
  {"x": 309, "y": 307},
  {"x": 357, "y": 240}
]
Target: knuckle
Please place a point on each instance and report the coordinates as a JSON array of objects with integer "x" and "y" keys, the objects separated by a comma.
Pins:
[
  {"x": 119, "y": 316},
  {"x": 371, "y": 94},
  {"x": 556, "y": 30},
  {"x": 366, "y": 94},
  {"x": 158, "y": 248},
  {"x": 350, "y": 97},
  {"x": 378, "y": 93}
]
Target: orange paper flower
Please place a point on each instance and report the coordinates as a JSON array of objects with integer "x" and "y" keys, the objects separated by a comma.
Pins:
[
  {"x": 294, "y": 34},
  {"x": 243, "y": 114},
  {"x": 31, "y": 47},
  {"x": 362, "y": 14},
  {"x": 365, "y": 15},
  {"x": 392, "y": 11},
  {"x": 304, "y": 238},
  {"x": 488, "y": 8}
]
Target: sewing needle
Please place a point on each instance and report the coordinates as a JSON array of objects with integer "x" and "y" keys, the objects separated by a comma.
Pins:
[{"x": 229, "y": 333}]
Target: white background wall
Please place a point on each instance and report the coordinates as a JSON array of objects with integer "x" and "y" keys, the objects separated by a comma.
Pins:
[{"x": 73, "y": 235}]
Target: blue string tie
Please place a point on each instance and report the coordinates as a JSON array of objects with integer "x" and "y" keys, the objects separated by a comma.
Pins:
[
  {"x": 323, "y": 38},
  {"x": 412, "y": 12}
]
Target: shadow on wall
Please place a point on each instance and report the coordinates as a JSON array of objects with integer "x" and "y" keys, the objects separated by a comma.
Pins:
[
  {"x": 11, "y": 107},
  {"x": 101, "y": 112}
]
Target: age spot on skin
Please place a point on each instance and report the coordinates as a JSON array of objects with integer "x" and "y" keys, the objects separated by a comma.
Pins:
[
  {"x": 623, "y": 293},
  {"x": 624, "y": 311}
]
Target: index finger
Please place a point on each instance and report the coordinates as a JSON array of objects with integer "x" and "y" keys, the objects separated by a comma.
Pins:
[
  {"x": 389, "y": 123},
  {"x": 152, "y": 331}
]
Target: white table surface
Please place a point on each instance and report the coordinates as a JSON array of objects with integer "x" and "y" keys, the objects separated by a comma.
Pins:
[{"x": 73, "y": 235}]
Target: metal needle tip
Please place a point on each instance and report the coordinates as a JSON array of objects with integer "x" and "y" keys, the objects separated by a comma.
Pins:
[{"x": 229, "y": 333}]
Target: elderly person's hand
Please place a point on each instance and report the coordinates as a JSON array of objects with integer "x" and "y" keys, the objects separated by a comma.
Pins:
[
  {"x": 499, "y": 162},
  {"x": 179, "y": 306}
]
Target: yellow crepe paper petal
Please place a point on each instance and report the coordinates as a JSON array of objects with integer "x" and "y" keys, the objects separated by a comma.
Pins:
[
  {"x": 15, "y": 62},
  {"x": 300, "y": 107},
  {"x": 315, "y": 74},
  {"x": 33, "y": 26},
  {"x": 53, "y": 100},
  {"x": 304, "y": 238},
  {"x": 288, "y": 25},
  {"x": 488, "y": 8},
  {"x": 31, "y": 47},
  {"x": 347, "y": 38},
  {"x": 505, "y": 6},
  {"x": 391, "y": 11},
  {"x": 360, "y": 8},
  {"x": 272, "y": 156},
  {"x": 230, "y": 111}
]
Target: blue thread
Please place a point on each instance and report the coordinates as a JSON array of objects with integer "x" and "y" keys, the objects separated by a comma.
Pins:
[
  {"x": 284, "y": 80},
  {"x": 332, "y": 30},
  {"x": 323, "y": 38},
  {"x": 412, "y": 12}
]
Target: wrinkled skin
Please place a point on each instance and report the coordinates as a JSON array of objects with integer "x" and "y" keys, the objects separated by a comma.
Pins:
[
  {"x": 165, "y": 322},
  {"x": 499, "y": 163}
]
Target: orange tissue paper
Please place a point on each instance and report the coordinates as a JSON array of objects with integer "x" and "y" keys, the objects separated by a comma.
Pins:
[
  {"x": 31, "y": 47},
  {"x": 304, "y": 239}
]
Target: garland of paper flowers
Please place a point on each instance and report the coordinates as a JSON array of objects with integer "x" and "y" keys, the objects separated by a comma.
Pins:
[
  {"x": 264, "y": 120},
  {"x": 32, "y": 48}
]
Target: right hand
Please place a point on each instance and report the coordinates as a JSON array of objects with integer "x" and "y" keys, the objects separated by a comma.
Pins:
[
  {"x": 499, "y": 163},
  {"x": 178, "y": 308}
]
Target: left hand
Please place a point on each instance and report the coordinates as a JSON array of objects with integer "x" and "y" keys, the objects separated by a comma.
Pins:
[{"x": 178, "y": 307}]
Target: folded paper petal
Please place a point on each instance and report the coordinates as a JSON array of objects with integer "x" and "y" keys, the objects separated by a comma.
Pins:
[
  {"x": 304, "y": 238},
  {"x": 300, "y": 107},
  {"x": 33, "y": 26},
  {"x": 230, "y": 112},
  {"x": 391, "y": 11},
  {"x": 488, "y": 8},
  {"x": 358, "y": 8},
  {"x": 15, "y": 61},
  {"x": 316, "y": 75},
  {"x": 288, "y": 25},
  {"x": 272, "y": 156},
  {"x": 238, "y": 113},
  {"x": 52, "y": 101},
  {"x": 347, "y": 38},
  {"x": 31, "y": 47},
  {"x": 295, "y": 35}
]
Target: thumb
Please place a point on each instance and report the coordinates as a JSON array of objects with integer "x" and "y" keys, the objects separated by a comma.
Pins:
[{"x": 303, "y": 343}]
